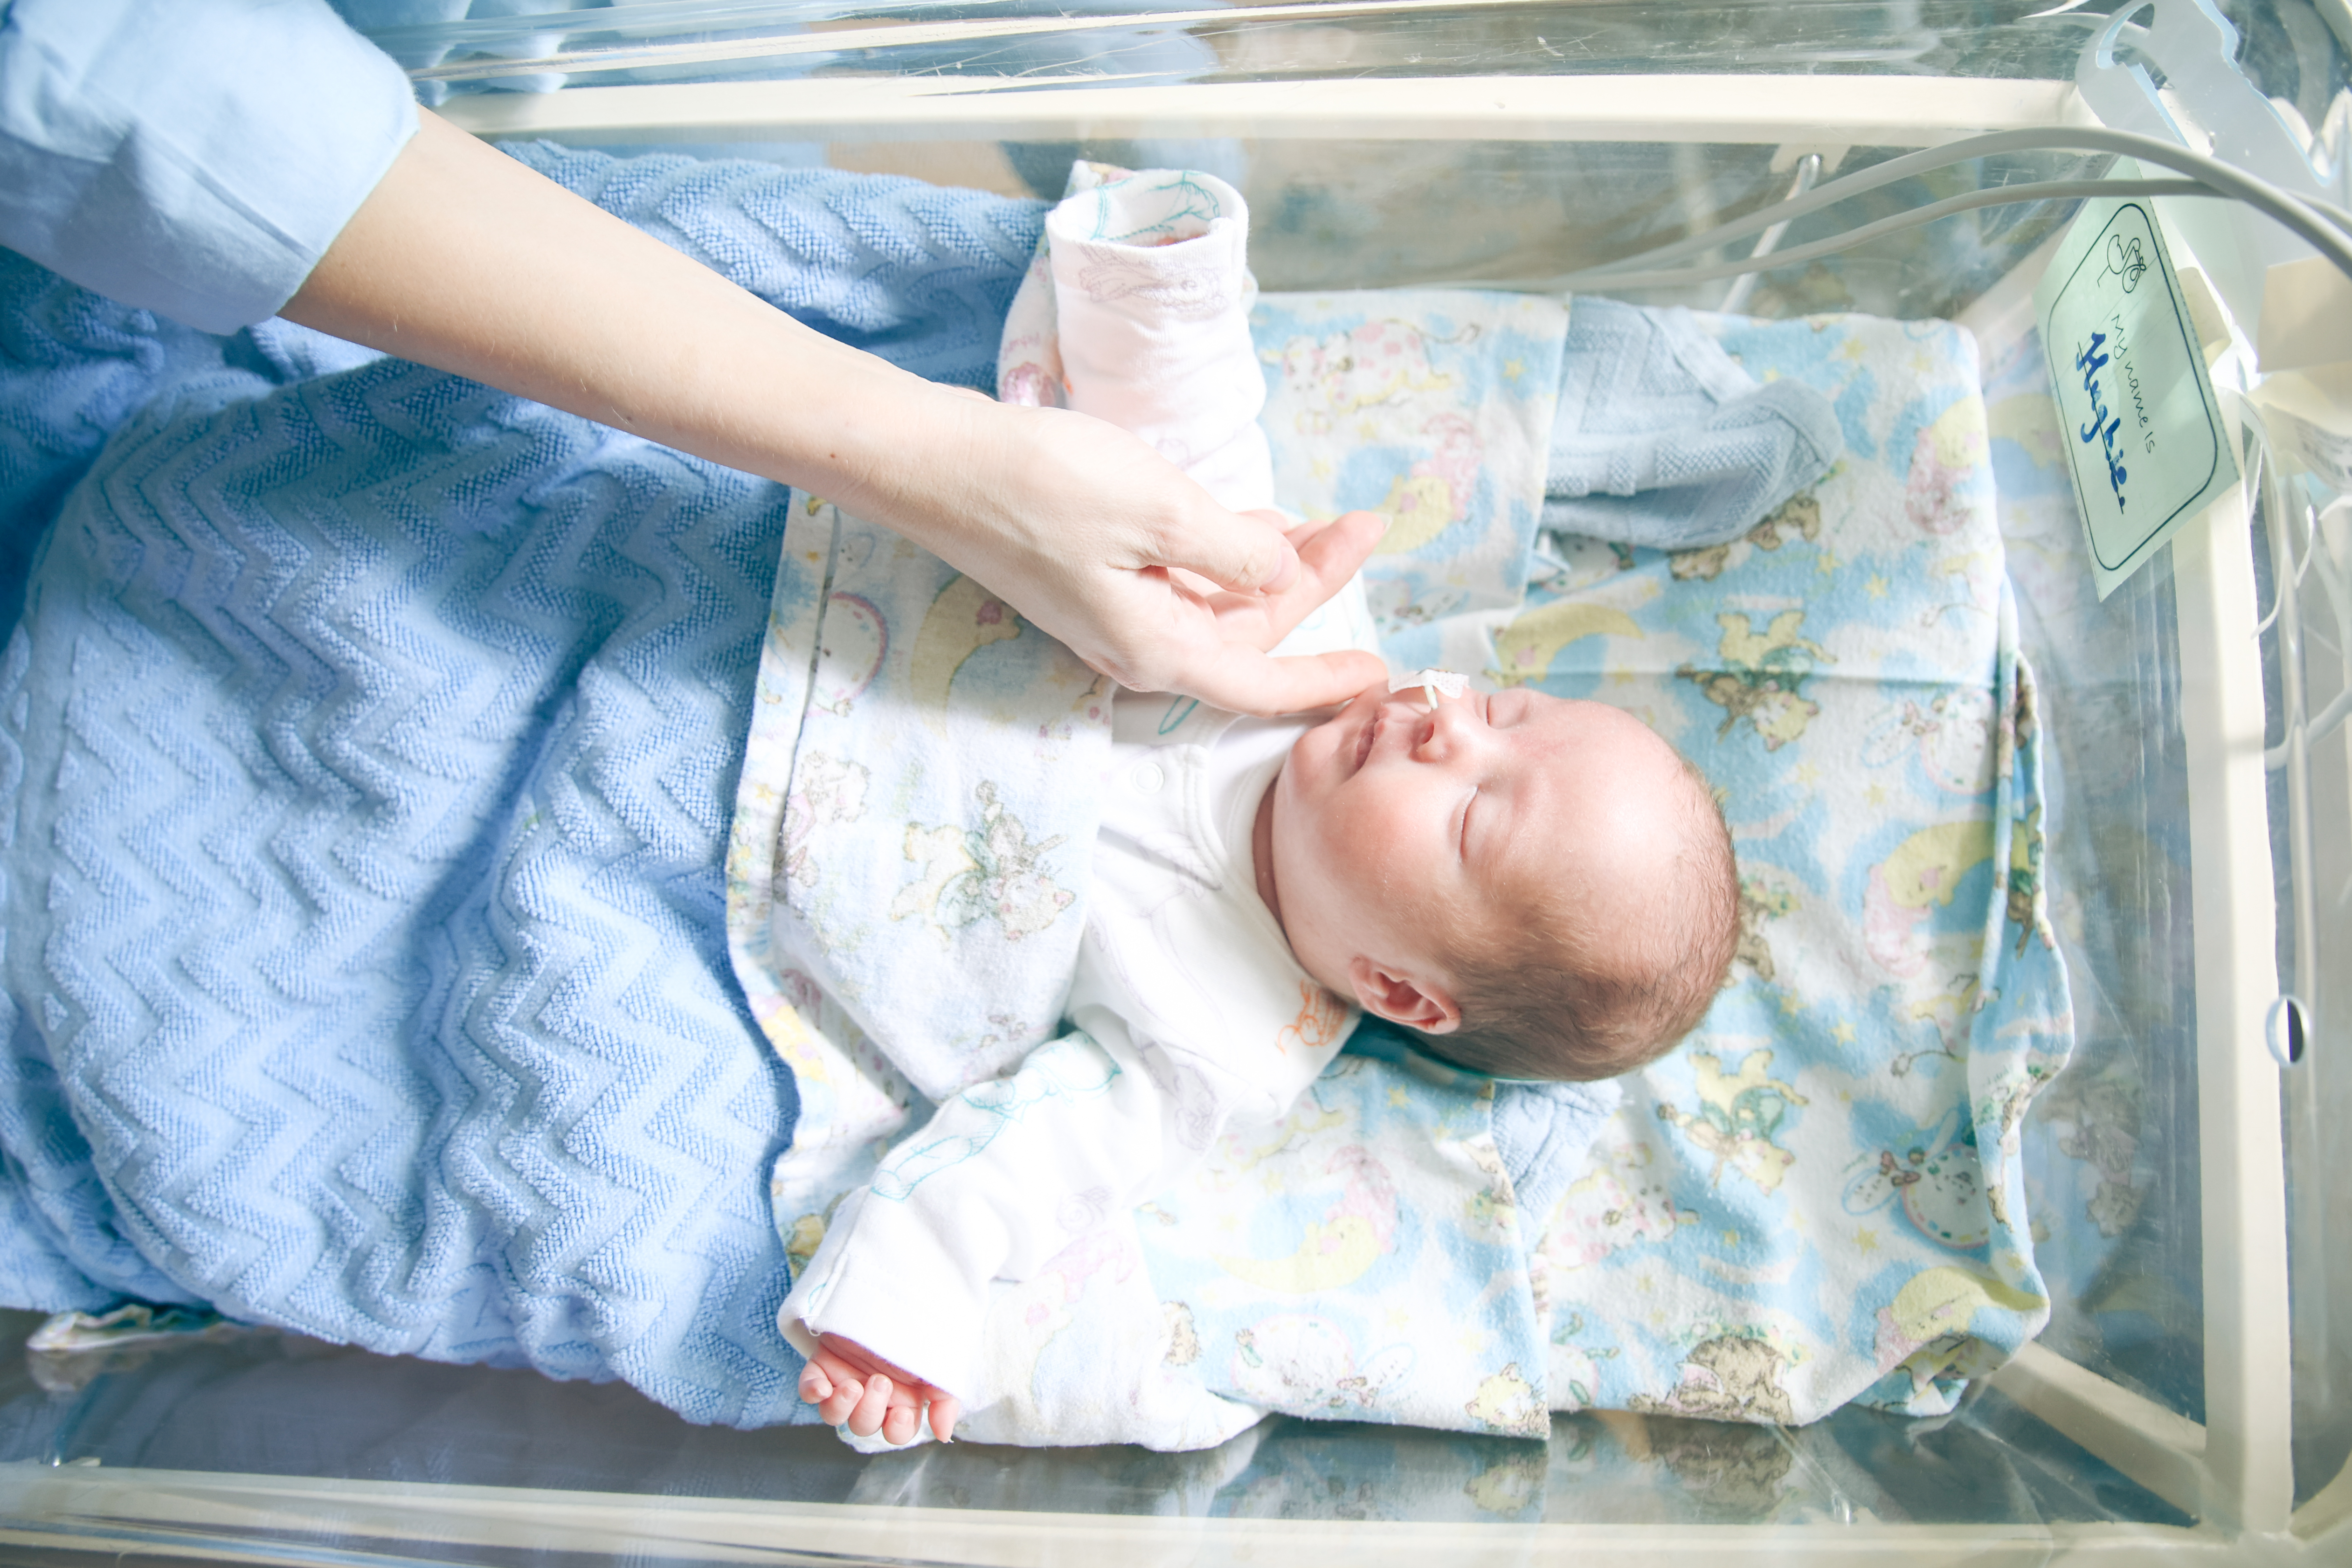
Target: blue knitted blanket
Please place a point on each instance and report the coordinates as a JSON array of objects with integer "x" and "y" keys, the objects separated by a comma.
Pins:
[{"x": 367, "y": 744}]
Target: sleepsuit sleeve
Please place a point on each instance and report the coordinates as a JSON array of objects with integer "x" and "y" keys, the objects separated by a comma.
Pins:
[{"x": 1005, "y": 1175}]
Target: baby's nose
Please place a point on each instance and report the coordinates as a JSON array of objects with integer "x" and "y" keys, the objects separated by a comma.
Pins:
[{"x": 1443, "y": 731}]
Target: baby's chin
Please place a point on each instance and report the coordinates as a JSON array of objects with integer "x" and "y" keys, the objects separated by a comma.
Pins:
[{"x": 1299, "y": 904}]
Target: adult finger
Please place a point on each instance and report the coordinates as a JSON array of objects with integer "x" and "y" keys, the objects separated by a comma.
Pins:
[
  {"x": 1326, "y": 560},
  {"x": 1299, "y": 532},
  {"x": 1241, "y": 551},
  {"x": 1361, "y": 532},
  {"x": 1245, "y": 680}
]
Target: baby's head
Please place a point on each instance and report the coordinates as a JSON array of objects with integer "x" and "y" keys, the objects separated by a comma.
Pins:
[{"x": 1545, "y": 884}]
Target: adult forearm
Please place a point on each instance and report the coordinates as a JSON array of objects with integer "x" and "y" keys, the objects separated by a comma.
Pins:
[{"x": 465, "y": 259}]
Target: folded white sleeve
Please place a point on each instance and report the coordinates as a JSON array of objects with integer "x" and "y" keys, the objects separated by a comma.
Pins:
[
  {"x": 1153, "y": 294},
  {"x": 1005, "y": 1177}
]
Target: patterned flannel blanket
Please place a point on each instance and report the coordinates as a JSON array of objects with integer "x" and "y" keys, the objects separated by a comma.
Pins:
[{"x": 1818, "y": 1198}]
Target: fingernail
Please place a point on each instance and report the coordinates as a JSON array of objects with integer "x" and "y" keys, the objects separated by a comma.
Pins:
[{"x": 1285, "y": 571}]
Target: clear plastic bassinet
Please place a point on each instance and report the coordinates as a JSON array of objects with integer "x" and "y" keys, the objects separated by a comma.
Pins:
[{"x": 2193, "y": 1393}]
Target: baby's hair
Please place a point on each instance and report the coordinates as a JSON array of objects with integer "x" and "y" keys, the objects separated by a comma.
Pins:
[{"x": 1540, "y": 1006}]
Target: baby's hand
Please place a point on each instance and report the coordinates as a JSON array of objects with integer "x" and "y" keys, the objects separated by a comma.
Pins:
[{"x": 846, "y": 1381}]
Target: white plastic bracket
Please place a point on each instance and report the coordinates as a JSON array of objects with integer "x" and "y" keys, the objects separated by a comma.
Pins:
[{"x": 2196, "y": 49}]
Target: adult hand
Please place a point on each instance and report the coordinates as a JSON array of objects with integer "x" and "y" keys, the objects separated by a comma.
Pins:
[
  {"x": 465, "y": 259},
  {"x": 1107, "y": 546},
  {"x": 1330, "y": 552},
  {"x": 851, "y": 1385}
]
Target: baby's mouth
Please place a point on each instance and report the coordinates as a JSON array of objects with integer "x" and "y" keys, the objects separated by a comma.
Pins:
[{"x": 1372, "y": 733}]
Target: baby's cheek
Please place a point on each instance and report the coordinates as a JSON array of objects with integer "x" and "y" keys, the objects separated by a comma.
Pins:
[{"x": 1380, "y": 855}]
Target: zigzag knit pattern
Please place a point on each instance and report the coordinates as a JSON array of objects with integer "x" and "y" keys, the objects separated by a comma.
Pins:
[
  {"x": 368, "y": 743},
  {"x": 73, "y": 367},
  {"x": 919, "y": 274}
]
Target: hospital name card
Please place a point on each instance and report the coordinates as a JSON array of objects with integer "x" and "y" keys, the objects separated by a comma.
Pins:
[{"x": 2143, "y": 432}]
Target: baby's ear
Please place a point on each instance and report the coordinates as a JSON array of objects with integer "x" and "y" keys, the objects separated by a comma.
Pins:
[{"x": 1421, "y": 1004}]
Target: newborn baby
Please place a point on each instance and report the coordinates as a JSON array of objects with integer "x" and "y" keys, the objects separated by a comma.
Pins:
[
  {"x": 1540, "y": 887},
  {"x": 1543, "y": 885}
]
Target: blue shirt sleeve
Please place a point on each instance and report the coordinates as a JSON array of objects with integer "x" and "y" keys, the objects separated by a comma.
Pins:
[{"x": 192, "y": 157}]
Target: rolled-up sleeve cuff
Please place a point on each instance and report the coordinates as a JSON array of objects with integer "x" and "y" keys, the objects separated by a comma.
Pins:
[
  {"x": 195, "y": 159},
  {"x": 882, "y": 1279}
]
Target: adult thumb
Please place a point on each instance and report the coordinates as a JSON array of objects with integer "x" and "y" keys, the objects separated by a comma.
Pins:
[{"x": 1243, "y": 551}]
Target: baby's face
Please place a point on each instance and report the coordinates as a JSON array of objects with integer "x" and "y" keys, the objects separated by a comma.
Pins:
[{"x": 1399, "y": 832}]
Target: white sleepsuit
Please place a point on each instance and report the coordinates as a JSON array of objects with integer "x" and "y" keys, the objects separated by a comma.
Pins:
[{"x": 1195, "y": 1017}]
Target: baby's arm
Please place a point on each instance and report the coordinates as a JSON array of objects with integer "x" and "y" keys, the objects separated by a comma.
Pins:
[{"x": 1003, "y": 1178}]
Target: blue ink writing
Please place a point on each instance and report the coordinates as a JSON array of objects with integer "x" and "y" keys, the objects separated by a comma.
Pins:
[{"x": 2103, "y": 427}]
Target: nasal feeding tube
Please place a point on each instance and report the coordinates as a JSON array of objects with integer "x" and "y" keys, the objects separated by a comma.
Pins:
[{"x": 1434, "y": 684}]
